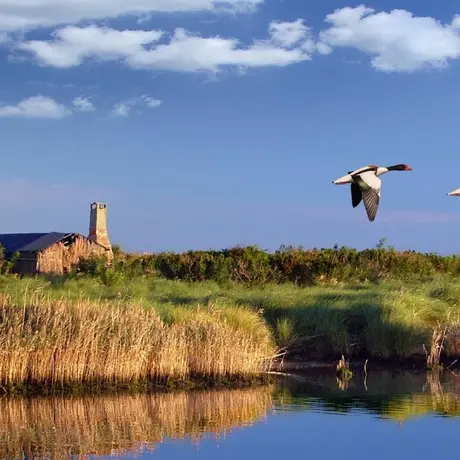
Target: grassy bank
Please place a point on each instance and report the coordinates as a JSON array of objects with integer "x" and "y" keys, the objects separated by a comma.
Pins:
[{"x": 389, "y": 321}]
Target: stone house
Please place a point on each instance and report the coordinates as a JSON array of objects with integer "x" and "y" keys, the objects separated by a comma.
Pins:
[{"x": 57, "y": 252}]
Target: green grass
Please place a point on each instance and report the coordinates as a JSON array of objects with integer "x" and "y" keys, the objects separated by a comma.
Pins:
[{"x": 389, "y": 320}]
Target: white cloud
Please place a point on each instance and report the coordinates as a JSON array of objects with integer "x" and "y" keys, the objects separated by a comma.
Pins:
[
  {"x": 398, "y": 41},
  {"x": 288, "y": 34},
  {"x": 323, "y": 48},
  {"x": 83, "y": 104},
  {"x": 124, "y": 108},
  {"x": 35, "y": 107},
  {"x": 29, "y": 14},
  {"x": 45, "y": 107},
  {"x": 151, "y": 102},
  {"x": 184, "y": 52},
  {"x": 72, "y": 45}
]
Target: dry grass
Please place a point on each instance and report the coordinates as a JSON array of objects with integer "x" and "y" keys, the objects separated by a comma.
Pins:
[
  {"x": 59, "y": 427},
  {"x": 56, "y": 343}
]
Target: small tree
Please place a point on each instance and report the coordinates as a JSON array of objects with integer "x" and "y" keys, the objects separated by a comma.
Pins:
[
  {"x": 9, "y": 264},
  {"x": 381, "y": 243}
]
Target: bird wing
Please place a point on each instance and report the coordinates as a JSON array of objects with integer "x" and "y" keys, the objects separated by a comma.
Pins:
[
  {"x": 371, "y": 200},
  {"x": 356, "y": 195},
  {"x": 363, "y": 170},
  {"x": 371, "y": 187}
]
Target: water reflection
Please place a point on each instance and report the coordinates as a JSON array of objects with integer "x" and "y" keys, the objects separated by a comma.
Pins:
[
  {"x": 59, "y": 427},
  {"x": 385, "y": 394},
  {"x": 107, "y": 425}
]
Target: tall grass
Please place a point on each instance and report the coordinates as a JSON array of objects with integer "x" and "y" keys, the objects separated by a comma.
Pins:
[{"x": 56, "y": 343}]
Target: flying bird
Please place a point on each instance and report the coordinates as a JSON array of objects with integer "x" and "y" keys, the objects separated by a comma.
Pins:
[
  {"x": 454, "y": 193},
  {"x": 366, "y": 185}
]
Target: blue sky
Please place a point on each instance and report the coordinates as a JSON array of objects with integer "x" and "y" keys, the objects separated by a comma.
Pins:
[{"x": 209, "y": 124}]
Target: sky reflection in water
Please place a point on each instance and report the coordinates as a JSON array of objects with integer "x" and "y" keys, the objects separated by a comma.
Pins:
[
  {"x": 400, "y": 416},
  {"x": 397, "y": 417}
]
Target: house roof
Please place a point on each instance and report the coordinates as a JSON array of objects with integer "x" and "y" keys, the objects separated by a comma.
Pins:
[{"x": 29, "y": 242}]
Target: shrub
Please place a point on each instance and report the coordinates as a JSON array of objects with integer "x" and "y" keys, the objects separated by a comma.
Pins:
[{"x": 253, "y": 266}]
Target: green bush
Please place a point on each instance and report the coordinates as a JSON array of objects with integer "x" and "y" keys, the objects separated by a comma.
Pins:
[{"x": 253, "y": 266}]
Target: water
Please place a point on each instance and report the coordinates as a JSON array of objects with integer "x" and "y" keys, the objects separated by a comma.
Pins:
[{"x": 387, "y": 415}]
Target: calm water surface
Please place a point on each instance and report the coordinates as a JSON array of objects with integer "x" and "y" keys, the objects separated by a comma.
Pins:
[{"x": 387, "y": 415}]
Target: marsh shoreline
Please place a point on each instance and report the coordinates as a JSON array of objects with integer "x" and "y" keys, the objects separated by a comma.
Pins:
[
  {"x": 79, "y": 336},
  {"x": 30, "y": 390},
  {"x": 416, "y": 364},
  {"x": 281, "y": 369}
]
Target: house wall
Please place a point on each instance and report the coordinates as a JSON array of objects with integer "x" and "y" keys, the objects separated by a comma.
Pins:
[
  {"x": 27, "y": 264},
  {"x": 59, "y": 258}
]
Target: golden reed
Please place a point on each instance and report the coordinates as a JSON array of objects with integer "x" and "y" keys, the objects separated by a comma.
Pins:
[
  {"x": 60, "y": 427},
  {"x": 58, "y": 343}
]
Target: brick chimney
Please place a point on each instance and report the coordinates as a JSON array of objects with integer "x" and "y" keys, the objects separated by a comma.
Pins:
[{"x": 98, "y": 226}]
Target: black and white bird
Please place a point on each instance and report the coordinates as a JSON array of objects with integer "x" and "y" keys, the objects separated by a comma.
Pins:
[{"x": 366, "y": 185}]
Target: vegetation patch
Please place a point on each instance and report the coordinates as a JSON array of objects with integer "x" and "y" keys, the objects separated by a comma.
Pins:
[
  {"x": 61, "y": 343},
  {"x": 222, "y": 316}
]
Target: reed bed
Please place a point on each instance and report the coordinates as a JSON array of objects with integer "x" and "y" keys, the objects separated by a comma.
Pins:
[
  {"x": 59, "y": 343},
  {"x": 60, "y": 427}
]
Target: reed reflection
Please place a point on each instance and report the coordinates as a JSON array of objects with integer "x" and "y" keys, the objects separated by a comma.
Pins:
[
  {"x": 59, "y": 427},
  {"x": 397, "y": 396}
]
